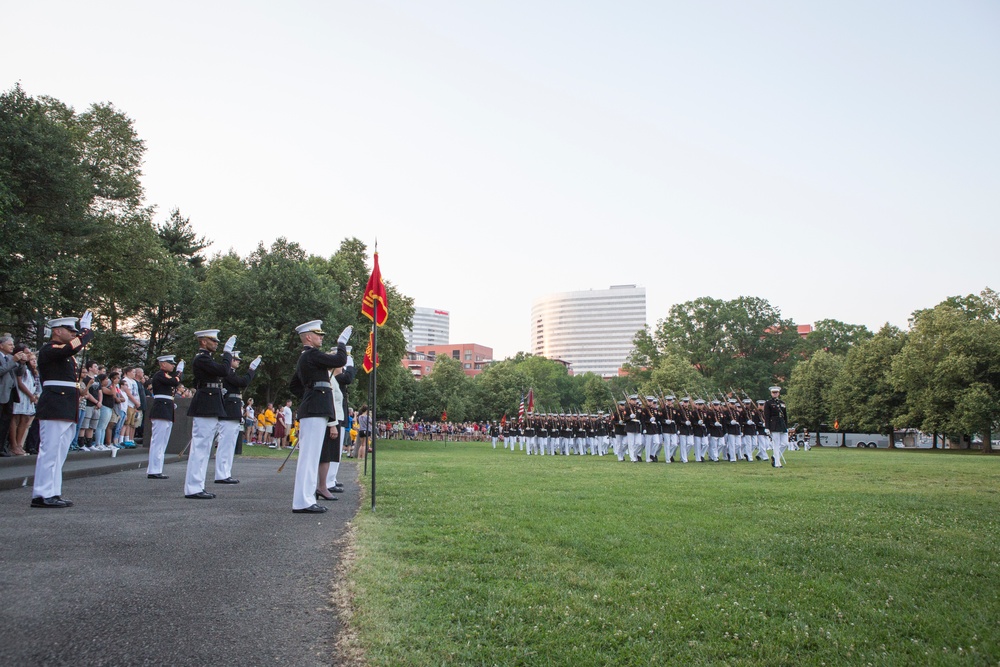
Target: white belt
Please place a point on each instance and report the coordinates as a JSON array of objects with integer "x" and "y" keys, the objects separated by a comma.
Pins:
[
  {"x": 167, "y": 397},
  {"x": 58, "y": 383}
]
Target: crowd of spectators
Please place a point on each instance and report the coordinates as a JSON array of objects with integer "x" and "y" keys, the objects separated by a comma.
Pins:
[{"x": 112, "y": 403}]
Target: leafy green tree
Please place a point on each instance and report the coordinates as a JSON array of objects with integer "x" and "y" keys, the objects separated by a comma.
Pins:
[
  {"x": 45, "y": 193},
  {"x": 499, "y": 388},
  {"x": 863, "y": 397},
  {"x": 833, "y": 336},
  {"x": 743, "y": 343},
  {"x": 949, "y": 368},
  {"x": 448, "y": 389},
  {"x": 810, "y": 388},
  {"x": 164, "y": 313}
]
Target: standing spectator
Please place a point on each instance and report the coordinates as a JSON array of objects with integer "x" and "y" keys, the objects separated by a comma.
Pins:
[
  {"x": 269, "y": 421},
  {"x": 9, "y": 361},
  {"x": 91, "y": 395},
  {"x": 107, "y": 408},
  {"x": 130, "y": 389},
  {"x": 279, "y": 427},
  {"x": 364, "y": 430},
  {"x": 249, "y": 422},
  {"x": 28, "y": 389},
  {"x": 286, "y": 413}
]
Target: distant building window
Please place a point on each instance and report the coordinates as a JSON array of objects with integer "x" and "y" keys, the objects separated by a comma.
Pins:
[
  {"x": 456, "y": 354},
  {"x": 468, "y": 355},
  {"x": 467, "y": 366}
]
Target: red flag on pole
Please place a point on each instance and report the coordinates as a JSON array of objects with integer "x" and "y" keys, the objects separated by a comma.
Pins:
[
  {"x": 367, "y": 363},
  {"x": 531, "y": 402},
  {"x": 375, "y": 293}
]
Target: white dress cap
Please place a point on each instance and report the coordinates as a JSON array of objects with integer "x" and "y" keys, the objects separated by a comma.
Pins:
[
  {"x": 207, "y": 333},
  {"x": 315, "y": 326}
]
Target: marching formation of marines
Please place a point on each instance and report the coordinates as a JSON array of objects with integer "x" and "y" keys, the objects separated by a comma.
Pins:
[{"x": 644, "y": 428}]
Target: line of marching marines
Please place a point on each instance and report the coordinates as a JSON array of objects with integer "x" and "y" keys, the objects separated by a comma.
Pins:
[
  {"x": 643, "y": 428},
  {"x": 215, "y": 411}
]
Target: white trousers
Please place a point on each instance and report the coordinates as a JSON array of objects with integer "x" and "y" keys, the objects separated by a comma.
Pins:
[
  {"x": 225, "y": 451},
  {"x": 55, "y": 437},
  {"x": 311, "y": 431},
  {"x": 714, "y": 445},
  {"x": 331, "y": 475},
  {"x": 634, "y": 443},
  {"x": 158, "y": 444},
  {"x": 763, "y": 443},
  {"x": 779, "y": 443},
  {"x": 732, "y": 444},
  {"x": 700, "y": 447},
  {"x": 202, "y": 432},
  {"x": 670, "y": 441},
  {"x": 685, "y": 443}
]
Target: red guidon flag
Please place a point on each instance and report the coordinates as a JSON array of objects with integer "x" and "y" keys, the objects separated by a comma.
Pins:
[
  {"x": 367, "y": 363},
  {"x": 531, "y": 402},
  {"x": 375, "y": 294}
]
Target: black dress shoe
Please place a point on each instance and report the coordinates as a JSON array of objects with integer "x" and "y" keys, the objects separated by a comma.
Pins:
[
  {"x": 312, "y": 509},
  {"x": 339, "y": 485},
  {"x": 320, "y": 496},
  {"x": 336, "y": 489},
  {"x": 69, "y": 503},
  {"x": 157, "y": 476},
  {"x": 52, "y": 502},
  {"x": 201, "y": 495},
  {"x": 228, "y": 480}
]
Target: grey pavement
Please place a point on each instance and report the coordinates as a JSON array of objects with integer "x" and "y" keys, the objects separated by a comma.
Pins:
[{"x": 136, "y": 574}]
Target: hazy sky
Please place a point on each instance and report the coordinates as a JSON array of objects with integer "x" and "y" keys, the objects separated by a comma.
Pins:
[{"x": 839, "y": 159}]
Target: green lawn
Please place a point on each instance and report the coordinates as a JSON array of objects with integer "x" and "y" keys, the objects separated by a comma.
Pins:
[{"x": 477, "y": 556}]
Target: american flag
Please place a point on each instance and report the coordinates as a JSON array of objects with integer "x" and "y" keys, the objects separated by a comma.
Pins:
[{"x": 520, "y": 410}]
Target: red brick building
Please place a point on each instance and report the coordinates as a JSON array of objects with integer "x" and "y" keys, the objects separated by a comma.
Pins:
[{"x": 472, "y": 356}]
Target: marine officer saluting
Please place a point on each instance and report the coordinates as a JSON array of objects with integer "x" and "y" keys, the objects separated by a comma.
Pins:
[
  {"x": 161, "y": 415},
  {"x": 56, "y": 410},
  {"x": 206, "y": 408},
  {"x": 229, "y": 425},
  {"x": 311, "y": 383}
]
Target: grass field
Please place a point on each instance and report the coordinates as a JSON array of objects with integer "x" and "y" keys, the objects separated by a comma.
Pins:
[{"x": 476, "y": 556}]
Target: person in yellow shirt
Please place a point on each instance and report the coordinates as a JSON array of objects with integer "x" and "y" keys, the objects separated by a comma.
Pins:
[
  {"x": 270, "y": 419},
  {"x": 260, "y": 428}
]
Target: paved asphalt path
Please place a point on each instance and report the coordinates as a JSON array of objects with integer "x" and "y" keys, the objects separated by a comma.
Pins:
[{"x": 136, "y": 574}]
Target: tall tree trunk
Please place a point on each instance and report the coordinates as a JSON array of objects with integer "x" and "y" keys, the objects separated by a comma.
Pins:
[{"x": 987, "y": 440}]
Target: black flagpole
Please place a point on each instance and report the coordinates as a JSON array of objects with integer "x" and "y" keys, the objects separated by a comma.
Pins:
[{"x": 372, "y": 421}]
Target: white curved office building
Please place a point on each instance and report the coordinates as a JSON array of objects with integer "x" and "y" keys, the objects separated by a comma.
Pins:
[{"x": 591, "y": 330}]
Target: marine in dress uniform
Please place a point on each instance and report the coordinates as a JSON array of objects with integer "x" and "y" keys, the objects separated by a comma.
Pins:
[
  {"x": 734, "y": 434},
  {"x": 233, "y": 385},
  {"x": 311, "y": 383},
  {"x": 716, "y": 431},
  {"x": 669, "y": 415},
  {"x": 206, "y": 408},
  {"x": 343, "y": 379},
  {"x": 161, "y": 416},
  {"x": 749, "y": 428},
  {"x": 57, "y": 410},
  {"x": 776, "y": 418},
  {"x": 700, "y": 431}
]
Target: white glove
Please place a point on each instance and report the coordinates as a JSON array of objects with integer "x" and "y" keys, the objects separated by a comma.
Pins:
[
  {"x": 652, "y": 420},
  {"x": 670, "y": 421},
  {"x": 255, "y": 363},
  {"x": 349, "y": 348},
  {"x": 180, "y": 367},
  {"x": 687, "y": 423},
  {"x": 718, "y": 424},
  {"x": 734, "y": 422},
  {"x": 345, "y": 335},
  {"x": 749, "y": 422},
  {"x": 86, "y": 320},
  {"x": 350, "y": 360},
  {"x": 701, "y": 422},
  {"x": 767, "y": 431},
  {"x": 632, "y": 416},
  {"x": 230, "y": 344}
]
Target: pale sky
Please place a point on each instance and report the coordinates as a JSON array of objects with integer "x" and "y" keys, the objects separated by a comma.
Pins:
[{"x": 839, "y": 159}]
